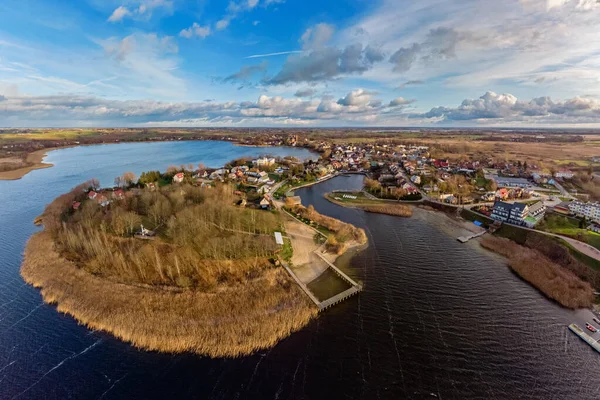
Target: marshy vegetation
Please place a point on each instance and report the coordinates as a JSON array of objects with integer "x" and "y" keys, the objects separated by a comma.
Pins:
[
  {"x": 550, "y": 278},
  {"x": 358, "y": 200},
  {"x": 398, "y": 210},
  {"x": 207, "y": 282}
]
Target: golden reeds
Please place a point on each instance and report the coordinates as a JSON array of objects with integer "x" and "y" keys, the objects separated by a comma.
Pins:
[
  {"x": 398, "y": 210},
  {"x": 228, "y": 322},
  {"x": 550, "y": 278},
  {"x": 205, "y": 285}
]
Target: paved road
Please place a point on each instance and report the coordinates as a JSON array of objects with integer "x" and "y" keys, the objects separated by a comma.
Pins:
[
  {"x": 277, "y": 186},
  {"x": 563, "y": 191}
]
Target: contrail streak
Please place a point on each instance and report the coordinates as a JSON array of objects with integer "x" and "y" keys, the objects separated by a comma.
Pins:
[{"x": 281, "y": 53}]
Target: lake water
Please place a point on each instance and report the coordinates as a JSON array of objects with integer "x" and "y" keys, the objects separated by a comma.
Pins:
[{"x": 437, "y": 319}]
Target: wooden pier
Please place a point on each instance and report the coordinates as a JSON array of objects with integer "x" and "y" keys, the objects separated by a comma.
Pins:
[
  {"x": 338, "y": 298},
  {"x": 465, "y": 239},
  {"x": 337, "y": 270},
  {"x": 354, "y": 289},
  {"x": 585, "y": 337},
  {"x": 302, "y": 285},
  {"x": 322, "y": 305}
]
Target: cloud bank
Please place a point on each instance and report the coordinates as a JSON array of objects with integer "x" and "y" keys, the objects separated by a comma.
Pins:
[{"x": 357, "y": 108}]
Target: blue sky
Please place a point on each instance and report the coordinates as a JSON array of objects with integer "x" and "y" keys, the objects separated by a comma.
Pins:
[{"x": 300, "y": 63}]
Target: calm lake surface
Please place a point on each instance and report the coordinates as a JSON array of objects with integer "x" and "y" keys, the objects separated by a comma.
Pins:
[{"x": 437, "y": 319}]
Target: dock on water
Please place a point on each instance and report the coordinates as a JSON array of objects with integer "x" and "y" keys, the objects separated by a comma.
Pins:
[
  {"x": 354, "y": 289},
  {"x": 338, "y": 298},
  {"x": 465, "y": 239},
  {"x": 323, "y": 305},
  {"x": 585, "y": 337}
]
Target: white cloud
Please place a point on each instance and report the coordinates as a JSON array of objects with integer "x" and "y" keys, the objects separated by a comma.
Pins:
[
  {"x": 223, "y": 23},
  {"x": 358, "y": 108},
  {"x": 317, "y": 36},
  {"x": 322, "y": 62},
  {"x": 144, "y": 9},
  {"x": 234, "y": 9},
  {"x": 400, "y": 101},
  {"x": 119, "y": 13},
  {"x": 360, "y": 97},
  {"x": 482, "y": 43},
  {"x": 195, "y": 30},
  {"x": 507, "y": 109},
  {"x": 148, "y": 61},
  {"x": 55, "y": 110}
]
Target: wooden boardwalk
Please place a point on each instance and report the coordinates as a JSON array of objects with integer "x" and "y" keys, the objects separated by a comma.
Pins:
[
  {"x": 322, "y": 305},
  {"x": 338, "y": 298},
  {"x": 337, "y": 270},
  {"x": 465, "y": 239},
  {"x": 302, "y": 285}
]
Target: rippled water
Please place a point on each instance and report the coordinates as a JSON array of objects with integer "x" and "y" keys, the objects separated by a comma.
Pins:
[{"x": 437, "y": 319}]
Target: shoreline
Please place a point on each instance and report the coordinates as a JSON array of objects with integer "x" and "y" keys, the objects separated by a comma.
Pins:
[
  {"x": 36, "y": 160},
  {"x": 229, "y": 320},
  {"x": 169, "y": 321},
  {"x": 305, "y": 262},
  {"x": 36, "y": 157},
  {"x": 390, "y": 207}
]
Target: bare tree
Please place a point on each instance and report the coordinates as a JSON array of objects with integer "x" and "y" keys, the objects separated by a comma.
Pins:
[{"x": 129, "y": 178}]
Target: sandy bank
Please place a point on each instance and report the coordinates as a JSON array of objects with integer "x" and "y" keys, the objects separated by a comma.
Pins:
[
  {"x": 307, "y": 265},
  {"x": 35, "y": 161}
]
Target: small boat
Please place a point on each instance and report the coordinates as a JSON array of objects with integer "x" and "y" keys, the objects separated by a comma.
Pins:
[{"x": 590, "y": 327}]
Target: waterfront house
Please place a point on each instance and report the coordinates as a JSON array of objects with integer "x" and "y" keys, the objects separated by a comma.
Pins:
[
  {"x": 502, "y": 194},
  {"x": 263, "y": 162},
  {"x": 512, "y": 182},
  {"x": 512, "y": 213},
  {"x": 265, "y": 202},
  {"x": 415, "y": 179},
  {"x": 178, "y": 177},
  {"x": 594, "y": 228},
  {"x": 118, "y": 194},
  {"x": 537, "y": 209},
  {"x": 588, "y": 210},
  {"x": 201, "y": 173},
  {"x": 564, "y": 174},
  {"x": 102, "y": 200}
]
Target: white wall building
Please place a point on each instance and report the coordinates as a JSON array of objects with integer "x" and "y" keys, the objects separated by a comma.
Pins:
[
  {"x": 564, "y": 174},
  {"x": 590, "y": 211},
  {"x": 263, "y": 162}
]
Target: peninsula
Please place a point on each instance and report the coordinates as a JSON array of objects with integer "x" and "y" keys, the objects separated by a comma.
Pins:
[{"x": 170, "y": 263}]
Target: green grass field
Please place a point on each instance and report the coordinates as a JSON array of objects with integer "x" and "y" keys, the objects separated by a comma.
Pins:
[{"x": 567, "y": 226}]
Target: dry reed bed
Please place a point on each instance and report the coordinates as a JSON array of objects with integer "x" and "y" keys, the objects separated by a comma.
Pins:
[
  {"x": 343, "y": 232},
  {"x": 230, "y": 322},
  {"x": 550, "y": 278},
  {"x": 398, "y": 210}
]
